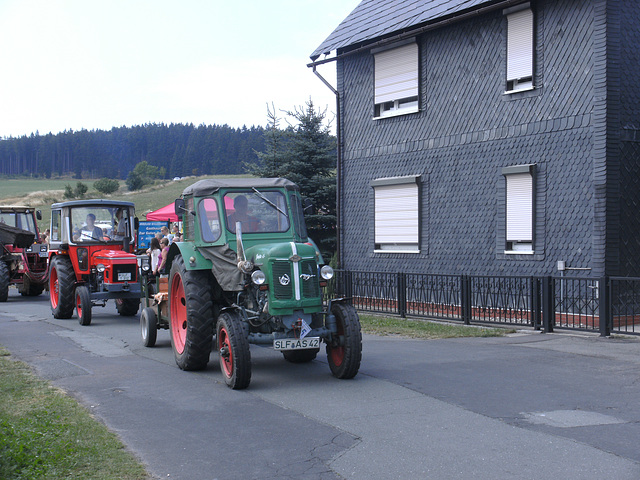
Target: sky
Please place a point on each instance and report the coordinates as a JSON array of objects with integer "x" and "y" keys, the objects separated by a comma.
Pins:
[{"x": 98, "y": 64}]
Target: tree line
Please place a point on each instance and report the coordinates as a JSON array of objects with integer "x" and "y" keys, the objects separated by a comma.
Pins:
[{"x": 177, "y": 150}]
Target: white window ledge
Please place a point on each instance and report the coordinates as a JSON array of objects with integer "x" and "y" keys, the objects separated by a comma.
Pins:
[
  {"x": 519, "y": 90},
  {"x": 397, "y": 113},
  {"x": 519, "y": 252},
  {"x": 396, "y": 251}
]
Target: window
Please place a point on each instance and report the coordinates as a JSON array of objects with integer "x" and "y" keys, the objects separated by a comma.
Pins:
[
  {"x": 397, "y": 214},
  {"x": 520, "y": 208},
  {"x": 519, "y": 48},
  {"x": 209, "y": 220},
  {"x": 396, "y": 80},
  {"x": 55, "y": 225},
  {"x": 256, "y": 211}
]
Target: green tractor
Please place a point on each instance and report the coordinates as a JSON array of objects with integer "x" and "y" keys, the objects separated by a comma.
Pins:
[{"x": 245, "y": 273}]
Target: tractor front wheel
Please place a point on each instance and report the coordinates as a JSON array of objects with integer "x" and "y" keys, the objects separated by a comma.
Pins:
[
  {"x": 233, "y": 347},
  {"x": 83, "y": 305},
  {"x": 4, "y": 281},
  {"x": 149, "y": 326},
  {"x": 192, "y": 315},
  {"x": 62, "y": 286},
  {"x": 344, "y": 351}
]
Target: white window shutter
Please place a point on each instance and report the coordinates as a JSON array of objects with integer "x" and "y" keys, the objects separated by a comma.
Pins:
[
  {"x": 396, "y": 73},
  {"x": 520, "y": 45},
  {"x": 396, "y": 214},
  {"x": 519, "y": 207}
]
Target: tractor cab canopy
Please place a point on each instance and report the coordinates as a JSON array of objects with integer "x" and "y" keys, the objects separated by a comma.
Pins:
[
  {"x": 270, "y": 207},
  {"x": 92, "y": 221},
  {"x": 18, "y": 216}
]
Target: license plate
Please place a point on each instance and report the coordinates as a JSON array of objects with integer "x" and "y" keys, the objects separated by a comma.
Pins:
[
  {"x": 122, "y": 276},
  {"x": 296, "y": 343},
  {"x": 43, "y": 254}
]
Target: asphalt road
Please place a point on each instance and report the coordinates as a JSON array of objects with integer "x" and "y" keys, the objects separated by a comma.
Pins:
[{"x": 526, "y": 406}]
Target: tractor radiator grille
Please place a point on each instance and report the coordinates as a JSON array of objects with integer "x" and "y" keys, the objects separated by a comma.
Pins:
[
  {"x": 282, "y": 280},
  {"x": 131, "y": 269},
  {"x": 310, "y": 286}
]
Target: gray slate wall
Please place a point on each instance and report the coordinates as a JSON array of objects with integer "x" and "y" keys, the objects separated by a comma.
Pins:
[{"x": 466, "y": 132}]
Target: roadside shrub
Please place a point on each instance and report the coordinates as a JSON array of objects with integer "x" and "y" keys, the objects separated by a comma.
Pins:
[{"x": 107, "y": 186}]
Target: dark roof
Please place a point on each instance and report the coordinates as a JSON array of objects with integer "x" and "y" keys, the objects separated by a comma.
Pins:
[
  {"x": 93, "y": 202},
  {"x": 372, "y": 19},
  {"x": 211, "y": 185}
]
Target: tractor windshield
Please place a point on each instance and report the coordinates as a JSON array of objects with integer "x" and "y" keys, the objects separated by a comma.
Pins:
[
  {"x": 20, "y": 220},
  {"x": 264, "y": 212},
  {"x": 100, "y": 224}
]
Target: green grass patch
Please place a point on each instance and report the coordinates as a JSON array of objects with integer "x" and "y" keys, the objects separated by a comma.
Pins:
[
  {"x": 45, "y": 434},
  {"x": 414, "y": 328}
]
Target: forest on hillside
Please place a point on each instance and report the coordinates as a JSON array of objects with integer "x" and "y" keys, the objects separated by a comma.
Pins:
[{"x": 179, "y": 149}]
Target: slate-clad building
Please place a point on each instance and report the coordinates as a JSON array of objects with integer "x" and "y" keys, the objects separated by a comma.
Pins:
[{"x": 489, "y": 137}]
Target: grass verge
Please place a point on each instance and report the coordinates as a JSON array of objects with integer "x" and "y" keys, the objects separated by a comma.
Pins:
[
  {"x": 413, "y": 328},
  {"x": 45, "y": 434}
]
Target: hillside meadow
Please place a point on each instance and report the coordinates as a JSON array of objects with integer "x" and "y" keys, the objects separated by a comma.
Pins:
[{"x": 41, "y": 193}]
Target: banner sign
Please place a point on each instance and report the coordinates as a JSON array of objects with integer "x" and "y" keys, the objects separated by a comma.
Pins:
[{"x": 147, "y": 231}]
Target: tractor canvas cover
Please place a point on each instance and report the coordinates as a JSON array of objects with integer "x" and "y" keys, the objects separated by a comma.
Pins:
[
  {"x": 16, "y": 236},
  {"x": 210, "y": 186}
]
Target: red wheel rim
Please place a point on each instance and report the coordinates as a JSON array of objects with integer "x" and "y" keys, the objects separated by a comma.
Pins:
[
  {"x": 79, "y": 305},
  {"x": 337, "y": 353},
  {"x": 178, "y": 314},
  {"x": 226, "y": 361},
  {"x": 53, "y": 287}
]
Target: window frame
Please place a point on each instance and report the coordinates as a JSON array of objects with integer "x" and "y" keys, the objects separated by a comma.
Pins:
[
  {"x": 513, "y": 245},
  {"x": 398, "y": 246},
  {"x": 519, "y": 62},
  {"x": 399, "y": 64}
]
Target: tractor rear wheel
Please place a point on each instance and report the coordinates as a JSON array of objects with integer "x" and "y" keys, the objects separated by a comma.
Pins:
[
  {"x": 62, "y": 287},
  {"x": 83, "y": 305},
  {"x": 344, "y": 351},
  {"x": 233, "y": 347},
  {"x": 192, "y": 315},
  {"x": 127, "y": 307},
  {"x": 4, "y": 281},
  {"x": 149, "y": 326}
]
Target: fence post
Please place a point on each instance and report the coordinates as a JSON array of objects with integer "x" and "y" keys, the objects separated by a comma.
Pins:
[
  {"x": 465, "y": 299},
  {"x": 604, "y": 307},
  {"x": 402, "y": 294},
  {"x": 348, "y": 287},
  {"x": 548, "y": 304},
  {"x": 535, "y": 302}
]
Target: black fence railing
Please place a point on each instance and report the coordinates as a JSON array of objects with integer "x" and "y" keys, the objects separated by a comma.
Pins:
[{"x": 600, "y": 305}]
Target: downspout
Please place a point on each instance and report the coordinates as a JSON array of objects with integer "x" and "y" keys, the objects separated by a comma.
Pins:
[{"x": 338, "y": 166}]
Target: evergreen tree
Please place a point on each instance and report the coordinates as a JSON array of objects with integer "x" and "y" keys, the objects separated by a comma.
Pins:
[{"x": 305, "y": 153}]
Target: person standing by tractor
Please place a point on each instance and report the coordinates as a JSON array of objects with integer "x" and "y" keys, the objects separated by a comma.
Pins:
[{"x": 164, "y": 244}]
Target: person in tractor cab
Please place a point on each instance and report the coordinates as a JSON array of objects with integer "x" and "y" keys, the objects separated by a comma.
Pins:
[
  {"x": 240, "y": 214},
  {"x": 90, "y": 232},
  {"x": 119, "y": 228}
]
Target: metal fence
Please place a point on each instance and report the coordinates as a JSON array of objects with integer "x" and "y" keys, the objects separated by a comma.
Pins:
[{"x": 599, "y": 305}]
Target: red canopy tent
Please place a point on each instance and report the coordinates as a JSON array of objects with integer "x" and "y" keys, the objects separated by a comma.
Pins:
[
  {"x": 164, "y": 214},
  {"x": 168, "y": 212}
]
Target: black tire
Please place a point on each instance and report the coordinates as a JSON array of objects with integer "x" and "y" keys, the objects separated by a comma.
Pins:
[
  {"x": 300, "y": 356},
  {"x": 344, "y": 351},
  {"x": 30, "y": 289},
  {"x": 127, "y": 307},
  {"x": 83, "y": 305},
  {"x": 4, "y": 281},
  {"x": 191, "y": 315},
  {"x": 62, "y": 286},
  {"x": 233, "y": 348},
  {"x": 149, "y": 326}
]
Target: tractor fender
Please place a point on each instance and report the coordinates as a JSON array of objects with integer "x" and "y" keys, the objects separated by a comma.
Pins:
[{"x": 188, "y": 252}]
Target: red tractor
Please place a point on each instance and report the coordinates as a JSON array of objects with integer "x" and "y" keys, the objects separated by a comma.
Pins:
[
  {"x": 92, "y": 259},
  {"x": 23, "y": 256}
]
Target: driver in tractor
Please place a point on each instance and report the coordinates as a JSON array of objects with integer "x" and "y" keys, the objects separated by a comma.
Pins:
[
  {"x": 249, "y": 223},
  {"x": 90, "y": 231}
]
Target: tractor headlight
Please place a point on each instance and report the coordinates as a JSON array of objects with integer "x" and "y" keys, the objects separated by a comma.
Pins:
[
  {"x": 258, "y": 277},
  {"x": 326, "y": 272},
  {"x": 145, "y": 267},
  {"x": 100, "y": 267}
]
